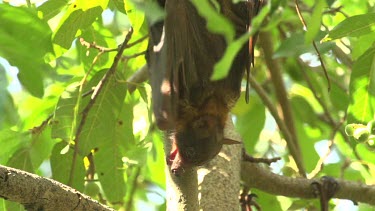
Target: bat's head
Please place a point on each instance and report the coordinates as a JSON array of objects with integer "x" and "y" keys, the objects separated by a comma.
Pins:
[{"x": 198, "y": 143}]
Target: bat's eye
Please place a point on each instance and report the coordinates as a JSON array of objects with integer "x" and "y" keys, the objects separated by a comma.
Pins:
[{"x": 205, "y": 122}]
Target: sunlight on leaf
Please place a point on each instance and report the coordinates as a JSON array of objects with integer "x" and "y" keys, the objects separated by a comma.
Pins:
[
  {"x": 354, "y": 26},
  {"x": 313, "y": 26},
  {"x": 362, "y": 89},
  {"x": 216, "y": 22}
]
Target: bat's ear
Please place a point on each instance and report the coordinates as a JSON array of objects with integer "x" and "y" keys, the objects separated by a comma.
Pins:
[{"x": 228, "y": 141}]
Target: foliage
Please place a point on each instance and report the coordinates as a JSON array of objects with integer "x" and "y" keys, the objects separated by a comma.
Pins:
[{"x": 50, "y": 71}]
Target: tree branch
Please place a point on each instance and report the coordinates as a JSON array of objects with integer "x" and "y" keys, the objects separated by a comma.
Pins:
[
  {"x": 38, "y": 193},
  {"x": 266, "y": 43},
  {"x": 272, "y": 109},
  {"x": 182, "y": 191},
  {"x": 222, "y": 173},
  {"x": 255, "y": 176}
]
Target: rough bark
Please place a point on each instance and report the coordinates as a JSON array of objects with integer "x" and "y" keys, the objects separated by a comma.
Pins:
[
  {"x": 219, "y": 180},
  {"x": 38, "y": 193}
]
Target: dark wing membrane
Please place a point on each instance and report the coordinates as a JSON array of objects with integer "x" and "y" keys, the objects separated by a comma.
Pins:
[
  {"x": 160, "y": 77},
  {"x": 254, "y": 7},
  {"x": 192, "y": 50}
]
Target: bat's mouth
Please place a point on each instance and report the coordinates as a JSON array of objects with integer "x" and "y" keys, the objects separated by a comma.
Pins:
[
  {"x": 172, "y": 156},
  {"x": 174, "y": 160}
]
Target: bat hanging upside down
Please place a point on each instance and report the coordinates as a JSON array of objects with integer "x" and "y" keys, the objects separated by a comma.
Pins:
[{"x": 190, "y": 107}]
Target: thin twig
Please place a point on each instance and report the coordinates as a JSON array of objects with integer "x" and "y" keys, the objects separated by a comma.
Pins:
[
  {"x": 133, "y": 56},
  {"x": 320, "y": 164},
  {"x": 327, "y": 114},
  {"x": 319, "y": 99},
  {"x": 39, "y": 129},
  {"x": 133, "y": 188},
  {"x": 271, "y": 107},
  {"x": 75, "y": 118},
  {"x": 329, "y": 11},
  {"x": 282, "y": 96},
  {"x": 314, "y": 44},
  {"x": 90, "y": 173},
  {"x": 137, "y": 41},
  {"x": 95, "y": 46},
  {"x": 267, "y": 161}
]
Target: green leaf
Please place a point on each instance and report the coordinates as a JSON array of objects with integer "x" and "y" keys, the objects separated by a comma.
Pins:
[
  {"x": 102, "y": 37},
  {"x": 338, "y": 93},
  {"x": 304, "y": 111},
  {"x": 51, "y": 8},
  {"x": 10, "y": 205},
  {"x": 124, "y": 126},
  {"x": 295, "y": 45},
  {"x": 74, "y": 20},
  {"x": 61, "y": 165},
  {"x": 10, "y": 142},
  {"x": 120, "y": 5},
  {"x": 304, "y": 203},
  {"x": 110, "y": 169},
  {"x": 222, "y": 67},
  {"x": 7, "y": 108},
  {"x": 137, "y": 10},
  {"x": 25, "y": 152},
  {"x": 332, "y": 170},
  {"x": 32, "y": 81},
  {"x": 268, "y": 201},
  {"x": 361, "y": 45},
  {"x": 157, "y": 161},
  {"x": 366, "y": 154},
  {"x": 136, "y": 16},
  {"x": 354, "y": 26},
  {"x": 18, "y": 38},
  {"x": 101, "y": 132},
  {"x": 354, "y": 174},
  {"x": 313, "y": 26},
  {"x": 250, "y": 119},
  {"x": 365, "y": 207},
  {"x": 63, "y": 115},
  {"x": 41, "y": 147},
  {"x": 216, "y": 22},
  {"x": 21, "y": 160},
  {"x": 307, "y": 137},
  {"x": 104, "y": 115},
  {"x": 3, "y": 79},
  {"x": 362, "y": 89}
]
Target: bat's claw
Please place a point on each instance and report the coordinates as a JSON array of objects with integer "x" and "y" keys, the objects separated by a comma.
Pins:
[
  {"x": 325, "y": 189},
  {"x": 248, "y": 200}
]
